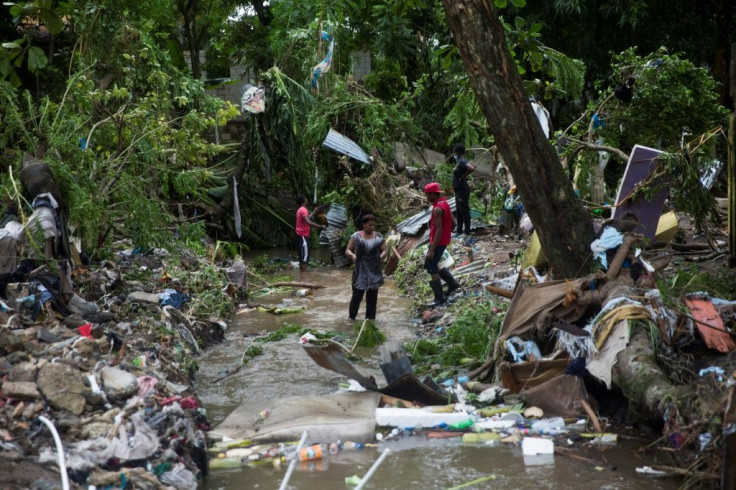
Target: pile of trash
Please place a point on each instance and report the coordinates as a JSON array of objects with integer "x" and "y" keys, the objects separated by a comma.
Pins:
[{"x": 101, "y": 395}]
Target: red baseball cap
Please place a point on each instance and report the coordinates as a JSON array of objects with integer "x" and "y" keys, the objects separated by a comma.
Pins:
[{"x": 432, "y": 187}]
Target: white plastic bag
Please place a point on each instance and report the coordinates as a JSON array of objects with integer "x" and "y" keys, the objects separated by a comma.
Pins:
[{"x": 446, "y": 261}]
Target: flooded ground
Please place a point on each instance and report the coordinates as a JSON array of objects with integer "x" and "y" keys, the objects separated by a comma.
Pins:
[{"x": 285, "y": 370}]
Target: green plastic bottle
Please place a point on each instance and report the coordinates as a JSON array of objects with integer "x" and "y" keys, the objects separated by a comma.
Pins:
[{"x": 465, "y": 424}]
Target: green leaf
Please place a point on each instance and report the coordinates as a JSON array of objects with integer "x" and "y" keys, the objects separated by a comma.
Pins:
[
  {"x": 500, "y": 4},
  {"x": 16, "y": 10},
  {"x": 5, "y": 67},
  {"x": 52, "y": 20},
  {"x": 11, "y": 45},
  {"x": 519, "y": 3},
  {"x": 36, "y": 59}
]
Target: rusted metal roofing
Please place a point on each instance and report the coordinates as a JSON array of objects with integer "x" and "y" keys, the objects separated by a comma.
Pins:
[{"x": 346, "y": 146}]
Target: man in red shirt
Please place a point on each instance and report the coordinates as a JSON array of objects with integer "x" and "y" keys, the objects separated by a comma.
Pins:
[
  {"x": 441, "y": 225},
  {"x": 303, "y": 228}
]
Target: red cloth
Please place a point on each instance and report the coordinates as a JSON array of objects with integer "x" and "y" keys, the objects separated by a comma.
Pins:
[
  {"x": 302, "y": 227},
  {"x": 446, "y": 237},
  {"x": 85, "y": 330}
]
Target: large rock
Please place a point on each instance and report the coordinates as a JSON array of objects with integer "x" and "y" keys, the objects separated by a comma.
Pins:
[
  {"x": 25, "y": 371},
  {"x": 142, "y": 297},
  {"x": 118, "y": 384},
  {"x": 63, "y": 387},
  {"x": 23, "y": 390}
]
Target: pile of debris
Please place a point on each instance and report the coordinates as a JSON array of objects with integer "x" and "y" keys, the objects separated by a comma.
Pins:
[{"x": 110, "y": 377}]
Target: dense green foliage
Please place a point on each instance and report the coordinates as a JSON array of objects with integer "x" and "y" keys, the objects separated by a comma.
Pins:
[{"x": 112, "y": 76}]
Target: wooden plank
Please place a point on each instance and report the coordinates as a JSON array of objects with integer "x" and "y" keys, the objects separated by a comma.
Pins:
[{"x": 716, "y": 337}]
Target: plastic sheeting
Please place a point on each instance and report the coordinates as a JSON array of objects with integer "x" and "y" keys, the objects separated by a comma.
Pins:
[{"x": 341, "y": 416}]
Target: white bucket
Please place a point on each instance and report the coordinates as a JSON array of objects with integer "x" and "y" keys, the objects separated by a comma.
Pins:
[{"x": 531, "y": 446}]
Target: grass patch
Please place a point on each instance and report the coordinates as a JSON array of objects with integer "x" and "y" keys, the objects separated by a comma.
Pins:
[{"x": 466, "y": 343}]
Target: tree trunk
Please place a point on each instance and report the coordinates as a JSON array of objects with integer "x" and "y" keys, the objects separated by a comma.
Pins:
[
  {"x": 564, "y": 228},
  {"x": 641, "y": 380},
  {"x": 263, "y": 12}
]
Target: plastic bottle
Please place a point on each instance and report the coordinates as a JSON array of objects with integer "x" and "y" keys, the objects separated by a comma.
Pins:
[
  {"x": 310, "y": 453},
  {"x": 465, "y": 424},
  {"x": 546, "y": 424}
]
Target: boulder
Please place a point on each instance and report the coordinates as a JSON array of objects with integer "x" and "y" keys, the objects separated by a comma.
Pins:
[{"x": 63, "y": 387}]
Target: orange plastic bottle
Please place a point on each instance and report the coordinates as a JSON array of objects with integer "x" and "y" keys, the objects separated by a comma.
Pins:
[{"x": 310, "y": 453}]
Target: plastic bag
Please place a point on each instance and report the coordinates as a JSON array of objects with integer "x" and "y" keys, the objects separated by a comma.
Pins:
[{"x": 446, "y": 261}]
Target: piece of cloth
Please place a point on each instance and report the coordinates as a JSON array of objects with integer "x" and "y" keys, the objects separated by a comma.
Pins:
[
  {"x": 610, "y": 238},
  {"x": 367, "y": 274},
  {"x": 43, "y": 220},
  {"x": 523, "y": 350},
  {"x": 601, "y": 363},
  {"x": 446, "y": 237},
  {"x": 302, "y": 248},
  {"x": 173, "y": 298},
  {"x": 323, "y": 66},
  {"x": 10, "y": 234},
  {"x": 533, "y": 305}
]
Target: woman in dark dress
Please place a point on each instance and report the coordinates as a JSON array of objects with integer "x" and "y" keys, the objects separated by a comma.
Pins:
[{"x": 367, "y": 248}]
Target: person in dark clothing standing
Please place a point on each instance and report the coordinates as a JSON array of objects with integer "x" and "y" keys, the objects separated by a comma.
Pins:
[
  {"x": 366, "y": 249},
  {"x": 440, "y": 235},
  {"x": 460, "y": 174}
]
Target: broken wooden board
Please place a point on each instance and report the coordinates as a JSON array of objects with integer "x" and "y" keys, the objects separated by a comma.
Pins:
[
  {"x": 640, "y": 167},
  {"x": 712, "y": 329}
]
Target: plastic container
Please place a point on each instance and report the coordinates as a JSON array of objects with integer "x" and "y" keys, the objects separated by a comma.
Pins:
[
  {"x": 546, "y": 424},
  {"x": 531, "y": 446},
  {"x": 310, "y": 453},
  {"x": 223, "y": 463}
]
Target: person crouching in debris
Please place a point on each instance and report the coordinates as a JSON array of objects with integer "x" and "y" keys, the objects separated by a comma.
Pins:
[
  {"x": 441, "y": 224},
  {"x": 367, "y": 248},
  {"x": 47, "y": 218},
  {"x": 47, "y": 227}
]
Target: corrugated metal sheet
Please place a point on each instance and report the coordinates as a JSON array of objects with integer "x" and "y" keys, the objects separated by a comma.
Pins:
[
  {"x": 337, "y": 221},
  {"x": 346, "y": 146},
  {"x": 414, "y": 224}
]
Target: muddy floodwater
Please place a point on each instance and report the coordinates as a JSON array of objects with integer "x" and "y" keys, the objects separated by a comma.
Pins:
[{"x": 284, "y": 370}]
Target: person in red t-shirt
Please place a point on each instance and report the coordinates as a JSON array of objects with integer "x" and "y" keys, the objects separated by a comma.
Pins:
[
  {"x": 440, "y": 235},
  {"x": 303, "y": 228}
]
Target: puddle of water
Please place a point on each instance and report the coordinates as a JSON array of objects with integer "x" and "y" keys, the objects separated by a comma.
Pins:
[{"x": 285, "y": 370}]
